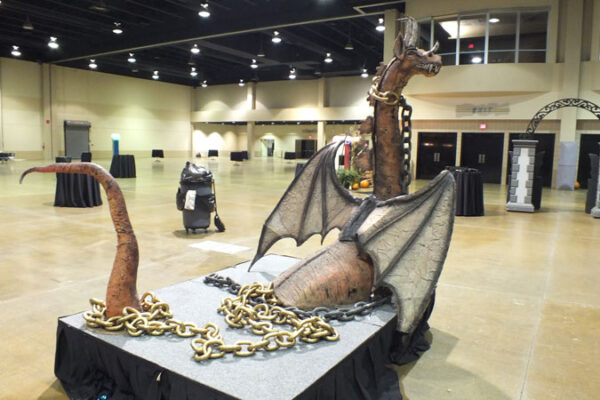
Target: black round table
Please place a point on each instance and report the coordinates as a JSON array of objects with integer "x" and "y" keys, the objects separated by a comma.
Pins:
[
  {"x": 123, "y": 166},
  {"x": 77, "y": 190},
  {"x": 469, "y": 191}
]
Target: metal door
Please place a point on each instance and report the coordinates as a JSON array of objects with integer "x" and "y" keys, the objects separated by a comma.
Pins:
[
  {"x": 483, "y": 151},
  {"x": 77, "y": 138},
  {"x": 436, "y": 150}
]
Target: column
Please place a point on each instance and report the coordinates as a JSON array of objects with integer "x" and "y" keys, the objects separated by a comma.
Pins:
[
  {"x": 321, "y": 134},
  {"x": 1, "y": 124},
  {"x": 321, "y": 102},
  {"x": 251, "y": 105},
  {"x": 390, "y": 20},
  {"x": 566, "y": 174},
  {"x": 50, "y": 150},
  {"x": 521, "y": 181}
]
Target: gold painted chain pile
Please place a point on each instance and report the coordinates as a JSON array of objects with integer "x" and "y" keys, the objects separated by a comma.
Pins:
[{"x": 156, "y": 319}]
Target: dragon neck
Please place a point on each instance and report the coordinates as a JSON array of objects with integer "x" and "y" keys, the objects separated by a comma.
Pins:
[{"x": 121, "y": 291}]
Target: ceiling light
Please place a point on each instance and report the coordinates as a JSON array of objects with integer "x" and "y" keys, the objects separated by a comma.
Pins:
[
  {"x": 364, "y": 73},
  {"x": 15, "y": 51},
  {"x": 27, "y": 25},
  {"x": 131, "y": 58},
  {"x": 99, "y": 5},
  {"x": 261, "y": 52},
  {"x": 195, "y": 49},
  {"x": 204, "y": 11},
  {"x": 193, "y": 72},
  {"x": 254, "y": 65},
  {"x": 117, "y": 30},
  {"x": 494, "y": 20},
  {"x": 53, "y": 44},
  {"x": 204, "y": 84},
  {"x": 380, "y": 26},
  {"x": 476, "y": 60},
  {"x": 328, "y": 58},
  {"x": 293, "y": 73},
  {"x": 241, "y": 83},
  {"x": 276, "y": 38},
  {"x": 93, "y": 64},
  {"x": 349, "y": 45},
  {"x": 155, "y": 75}
]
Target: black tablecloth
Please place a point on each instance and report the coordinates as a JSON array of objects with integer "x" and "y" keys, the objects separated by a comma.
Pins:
[
  {"x": 236, "y": 156},
  {"x": 88, "y": 367},
  {"x": 76, "y": 190},
  {"x": 469, "y": 191},
  {"x": 158, "y": 153},
  {"x": 289, "y": 155},
  {"x": 123, "y": 166},
  {"x": 213, "y": 153}
]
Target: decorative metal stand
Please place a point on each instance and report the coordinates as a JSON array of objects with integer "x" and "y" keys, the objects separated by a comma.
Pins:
[{"x": 521, "y": 181}]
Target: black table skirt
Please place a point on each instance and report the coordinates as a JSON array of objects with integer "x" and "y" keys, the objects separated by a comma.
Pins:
[
  {"x": 158, "y": 153},
  {"x": 88, "y": 367},
  {"x": 469, "y": 191},
  {"x": 289, "y": 155},
  {"x": 76, "y": 190},
  {"x": 123, "y": 166},
  {"x": 236, "y": 156}
]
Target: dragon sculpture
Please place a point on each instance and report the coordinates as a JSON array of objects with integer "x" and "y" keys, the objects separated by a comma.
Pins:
[{"x": 389, "y": 239}]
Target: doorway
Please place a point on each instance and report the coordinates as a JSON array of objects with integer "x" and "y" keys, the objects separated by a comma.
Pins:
[
  {"x": 435, "y": 151},
  {"x": 484, "y": 152},
  {"x": 546, "y": 143},
  {"x": 305, "y": 148},
  {"x": 77, "y": 138},
  {"x": 588, "y": 144}
]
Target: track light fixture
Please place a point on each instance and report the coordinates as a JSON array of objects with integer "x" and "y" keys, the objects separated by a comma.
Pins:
[
  {"x": 328, "y": 58},
  {"x": 53, "y": 44},
  {"x": 254, "y": 65},
  {"x": 293, "y": 73},
  {"x": 93, "y": 64},
  {"x": 155, "y": 75},
  {"x": 364, "y": 73},
  {"x": 204, "y": 84},
  {"x": 261, "y": 52},
  {"x": 380, "y": 26},
  {"x": 204, "y": 10},
  {"x": 15, "y": 51},
  {"x": 193, "y": 72},
  {"x": 27, "y": 25},
  {"x": 242, "y": 83},
  {"x": 131, "y": 58},
  {"x": 117, "y": 28},
  {"x": 195, "y": 49},
  {"x": 276, "y": 38}
]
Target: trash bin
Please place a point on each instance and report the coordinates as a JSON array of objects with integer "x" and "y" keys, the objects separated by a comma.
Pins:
[{"x": 196, "y": 198}]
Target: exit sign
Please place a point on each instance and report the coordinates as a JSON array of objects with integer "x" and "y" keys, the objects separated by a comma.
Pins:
[{"x": 482, "y": 126}]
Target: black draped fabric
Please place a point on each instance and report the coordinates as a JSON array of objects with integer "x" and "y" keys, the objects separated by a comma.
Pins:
[
  {"x": 76, "y": 190},
  {"x": 592, "y": 186},
  {"x": 469, "y": 191},
  {"x": 123, "y": 166},
  {"x": 236, "y": 156},
  {"x": 213, "y": 153},
  {"x": 89, "y": 367},
  {"x": 158, "y": 153},
  {"x": 289, "y": 155}
]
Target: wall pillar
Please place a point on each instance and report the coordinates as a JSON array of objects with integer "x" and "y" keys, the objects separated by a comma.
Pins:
[
  {"x": 47, "y": 142},
  {"x": 321, "y": 134},
  {"x": 1, "y": 111},
  {"x": 321, "y": 102},
  {"x": 390, "y": 20},
  {"x": 251, "y": 105}
]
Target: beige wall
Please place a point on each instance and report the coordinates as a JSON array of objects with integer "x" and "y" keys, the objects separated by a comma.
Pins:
[{"x": 225, "y": 138}]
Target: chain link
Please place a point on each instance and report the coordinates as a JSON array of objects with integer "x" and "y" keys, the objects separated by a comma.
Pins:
[
  {"x": 406, "y": 124},
  {"x": 327, "y": 314},
  {"x": 255, "y": 307}
]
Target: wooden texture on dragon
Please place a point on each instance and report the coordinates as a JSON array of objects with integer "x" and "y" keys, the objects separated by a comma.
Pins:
[{"x": 390, "y": 240}]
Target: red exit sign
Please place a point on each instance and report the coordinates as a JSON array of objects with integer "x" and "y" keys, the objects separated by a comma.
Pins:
[{"x": 482, "y": 126}]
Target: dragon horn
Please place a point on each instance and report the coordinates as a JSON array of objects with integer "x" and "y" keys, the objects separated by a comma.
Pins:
[
  {"x": 410, "y": 32},
  {"x": 435, "y": 48},
  {"x": 121, "y": 291}
]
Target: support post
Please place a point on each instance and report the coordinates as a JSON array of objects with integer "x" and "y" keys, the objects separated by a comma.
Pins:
[{"x": 521, "y": 181}]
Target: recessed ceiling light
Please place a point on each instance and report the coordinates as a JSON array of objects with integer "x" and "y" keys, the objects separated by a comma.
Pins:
[
  {"x": 131, "y": 58},
  {"x": 328, "y": 58},
  {"x": 242, "y": 83},
  {"x": 204, "y": 11},
  {"x": 204, "y": 84},
  {"x": 93, "y": 64},
  {"x": 254, "y": 65},
  {"x": 117, "y": 30},
  {"x": 193, "y": 72},
  {"x": 53, "y": 44},
  {"x": 155, "y": 75},
  {"x": 27, "y": 25},
  {"x": 364, "y": 73},
  {"x": 476, "y": 60},
  {"x": 494, "y": 20},
  {"x": 276, "y": 38},
  {"x": 195, "y": 49},
  {"x": 380, "y": 26},
  {"x": 15, "y": 51},
  {"x": 293, "y": 73}
]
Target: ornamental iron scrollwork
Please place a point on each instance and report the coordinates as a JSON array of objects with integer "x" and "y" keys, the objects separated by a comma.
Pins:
[{"x": 555, "y": 105}]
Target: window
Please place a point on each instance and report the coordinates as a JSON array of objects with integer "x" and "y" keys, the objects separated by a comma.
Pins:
[{"x": 497, "y": 36}]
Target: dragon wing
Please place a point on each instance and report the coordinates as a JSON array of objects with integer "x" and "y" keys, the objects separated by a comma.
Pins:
[
  {"x": 315, "y": 202},
  {"x": 407, "y": 238}
]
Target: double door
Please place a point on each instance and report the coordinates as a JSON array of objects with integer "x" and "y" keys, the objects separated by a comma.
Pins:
[
  {"x": 436, "y": 150},
  {"x": 483, "y": 151}
]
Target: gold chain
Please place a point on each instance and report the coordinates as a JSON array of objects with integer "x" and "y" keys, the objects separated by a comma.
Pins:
[
  {"x": 156, "y": 319},
  {"x": 389, "y": 97}
]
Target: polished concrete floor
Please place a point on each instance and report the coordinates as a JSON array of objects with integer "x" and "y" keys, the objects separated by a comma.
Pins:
[{"x": 517, "y": 313}]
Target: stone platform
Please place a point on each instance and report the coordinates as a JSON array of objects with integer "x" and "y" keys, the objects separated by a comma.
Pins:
[{"x": 91, "y": 361}]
